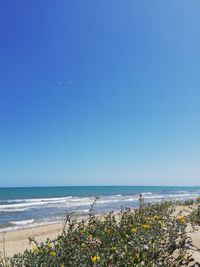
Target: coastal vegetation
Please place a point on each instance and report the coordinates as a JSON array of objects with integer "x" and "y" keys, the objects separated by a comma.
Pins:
[
  {"x": 194, "y": 217},
  {"x": 151, "y": 236}
]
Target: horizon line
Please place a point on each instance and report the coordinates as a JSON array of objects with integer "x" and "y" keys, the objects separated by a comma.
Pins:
[{"x": 51, "y": 186}]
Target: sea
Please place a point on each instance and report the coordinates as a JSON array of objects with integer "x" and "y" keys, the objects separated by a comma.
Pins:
[{"x": 33, "y": 206}]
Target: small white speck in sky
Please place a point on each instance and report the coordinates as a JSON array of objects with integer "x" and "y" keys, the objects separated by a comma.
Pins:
[{"x": 59, "y": 83}]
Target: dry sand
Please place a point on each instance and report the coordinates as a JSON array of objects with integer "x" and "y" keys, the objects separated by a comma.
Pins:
[
  {"x": 18, "y": 240},
  {"x": 193, "y": 233}
]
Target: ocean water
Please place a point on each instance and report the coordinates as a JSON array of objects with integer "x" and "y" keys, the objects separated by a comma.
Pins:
[{"x": 28, "y": 207}]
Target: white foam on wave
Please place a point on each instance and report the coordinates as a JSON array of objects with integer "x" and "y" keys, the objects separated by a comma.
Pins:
[
  {"x": 130, "y": 199},
  {"x": 146, "y": 193},
  {"x": 70, "y": 202},
  {"x": 155, "y": 196},
  {"x": 114, "y": 196},
  {"x": 67, "y": 202},
  {"x": 78, "y": 204},
  {"x": 75, "y": 199},
  {"x": 24, "y": 222},
  {"x": 184, "y": 196},
  {"x": 32, "y": 203},
  {"x": 4, "y": 210},
  {"x": 104, "y": 201},
  {"x": 53, "y": 199},
  {"x": 83, "y": 211},
  {"x": 22, "y": 205}
]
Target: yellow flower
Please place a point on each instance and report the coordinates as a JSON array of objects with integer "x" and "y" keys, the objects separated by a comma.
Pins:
[
  {"x": 84, "y": 245},
  {"x": 90, "y": 237},
  {"x": 95, "y": 258},
  {"x": 35, "y": 249},
  {"x": 156, "y": 218},
  {"x": 113, "y": 248},
  {"x": 136, "y": 257},
  {"x": 180, "y": 219},
  {"x": 145, "y": 226},
  {"x": 62, "y": 265},
  {"x": 109, "y": 231},
  {"x": 49, "y": 245},
  {"x": 133, "y": 230},
  {"x": 53, "y": 253}
]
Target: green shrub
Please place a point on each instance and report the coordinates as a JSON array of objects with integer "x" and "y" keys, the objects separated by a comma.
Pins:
[
  {"x": 194, "y": 216},
  {"x": 148, "y": 237},
  {"x": 198, "y": 200}
]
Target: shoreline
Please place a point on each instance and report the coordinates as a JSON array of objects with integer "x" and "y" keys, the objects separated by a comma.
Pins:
[{"x": 25, "y": 227}]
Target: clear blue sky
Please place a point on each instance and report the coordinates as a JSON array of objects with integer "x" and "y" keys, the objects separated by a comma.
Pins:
[{"x": 99, "y": 92}]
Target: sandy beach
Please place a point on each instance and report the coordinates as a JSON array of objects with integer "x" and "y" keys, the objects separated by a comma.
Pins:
[{"x": 18, "y": 240}]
